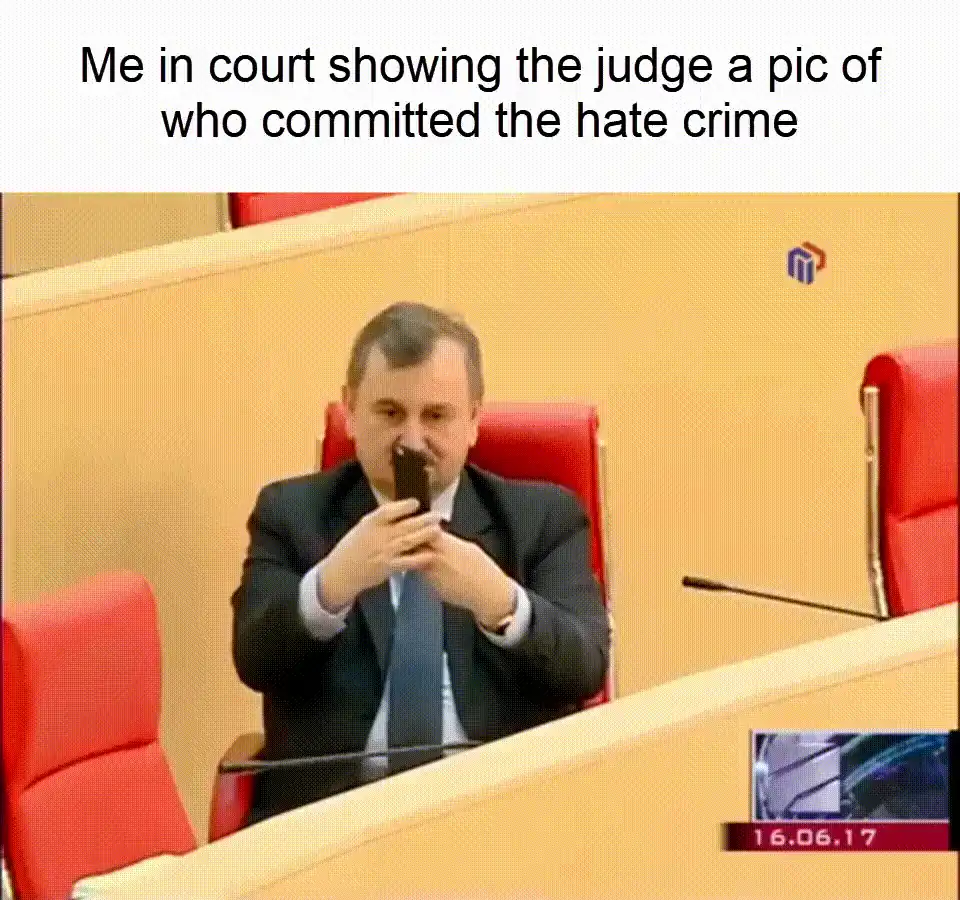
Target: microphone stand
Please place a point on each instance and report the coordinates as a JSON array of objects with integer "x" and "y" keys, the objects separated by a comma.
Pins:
[
  {"x": 263, "y": 765},
  {"x": 706, "y": 584}
]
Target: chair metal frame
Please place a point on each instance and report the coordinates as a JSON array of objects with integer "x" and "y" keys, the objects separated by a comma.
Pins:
[
  {"x": 870, "y": 401},
  {"x": 6, "y": 886}
]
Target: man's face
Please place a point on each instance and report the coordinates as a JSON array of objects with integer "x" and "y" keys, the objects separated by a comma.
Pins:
[{"x": 426, "y": 407}]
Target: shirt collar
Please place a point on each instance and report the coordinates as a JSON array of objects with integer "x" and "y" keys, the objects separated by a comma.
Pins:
[{"x": 442, "y": 503}]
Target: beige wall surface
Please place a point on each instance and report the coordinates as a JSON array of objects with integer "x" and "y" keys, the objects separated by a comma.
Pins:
[
  {"x": 141, "y": 418},
  {"x": 43, "y": 231}
]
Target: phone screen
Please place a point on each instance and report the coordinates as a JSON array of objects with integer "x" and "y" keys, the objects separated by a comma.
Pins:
[{"x": 410, "y": 476}]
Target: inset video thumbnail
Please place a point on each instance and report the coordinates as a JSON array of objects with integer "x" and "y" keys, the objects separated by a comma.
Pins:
[{"x": 820, "y": 775}]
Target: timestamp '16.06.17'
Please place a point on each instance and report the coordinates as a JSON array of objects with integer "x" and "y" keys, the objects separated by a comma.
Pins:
[
  {"x": 838, "y": 836},
  {"x": 827, "y": 837}
]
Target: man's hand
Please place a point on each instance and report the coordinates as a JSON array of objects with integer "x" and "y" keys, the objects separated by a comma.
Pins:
[
  {"x": 381, "y": 543},
  {"x": 465, "y": 576}
]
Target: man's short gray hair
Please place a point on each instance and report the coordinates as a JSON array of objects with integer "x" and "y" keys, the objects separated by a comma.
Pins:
[{"x": 407, "y": 334}]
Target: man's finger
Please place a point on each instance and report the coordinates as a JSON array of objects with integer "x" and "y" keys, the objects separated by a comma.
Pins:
[
  {"x": 424, "y": 536},
  {"x": 418, "y": 560},
  {"x": 415, "y": 523},
  {"x": 396, "y": 509}
]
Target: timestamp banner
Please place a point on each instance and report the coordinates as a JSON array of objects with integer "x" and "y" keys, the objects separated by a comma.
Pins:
[{"x": 838, "y": 836}]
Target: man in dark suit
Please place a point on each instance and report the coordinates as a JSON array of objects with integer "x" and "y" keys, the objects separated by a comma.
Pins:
[{"x": 367, "y": 625}]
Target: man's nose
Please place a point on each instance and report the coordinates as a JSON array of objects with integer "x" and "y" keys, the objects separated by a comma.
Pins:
[{"x": 414, "y": 437}]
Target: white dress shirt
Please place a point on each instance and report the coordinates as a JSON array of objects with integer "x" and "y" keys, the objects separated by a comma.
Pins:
[{"x": 324, "y": 625}]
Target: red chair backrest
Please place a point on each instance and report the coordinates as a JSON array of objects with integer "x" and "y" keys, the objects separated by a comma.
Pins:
[
  {"x": 554, "y": 442},
  {"x": 254, "y": 209},
  {"x": 87, "y": 787},
  {"x": 918, "y": 474}
]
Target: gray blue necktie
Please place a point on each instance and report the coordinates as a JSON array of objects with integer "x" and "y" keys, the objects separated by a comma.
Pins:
[{"x": 416, "y": 660}]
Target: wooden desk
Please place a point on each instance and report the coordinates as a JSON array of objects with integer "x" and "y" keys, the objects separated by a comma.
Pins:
[{"x": 625, "y": 800}]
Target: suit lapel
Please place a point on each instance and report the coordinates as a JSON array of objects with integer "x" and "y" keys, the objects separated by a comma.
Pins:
[{"x": 470, "y": 521}]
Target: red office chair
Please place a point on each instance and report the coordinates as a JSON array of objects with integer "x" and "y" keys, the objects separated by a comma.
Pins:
[
  {"x": 254, "y": 209},
  {"x": 87, "y": 787},
  {"x": 554, "y": 442},
  {"x": 910, "y": 402}
]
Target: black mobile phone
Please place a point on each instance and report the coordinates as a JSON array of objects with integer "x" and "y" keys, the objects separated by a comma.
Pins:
[{"x": 410, "y": 475}]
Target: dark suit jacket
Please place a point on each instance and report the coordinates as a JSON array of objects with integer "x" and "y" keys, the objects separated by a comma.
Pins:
[{"x": 322, "y": 697}]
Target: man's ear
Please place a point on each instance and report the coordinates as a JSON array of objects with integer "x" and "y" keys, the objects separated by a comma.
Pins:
[
  {"x": 475, "y": 425},
  {"x": 348, "y": 399}
]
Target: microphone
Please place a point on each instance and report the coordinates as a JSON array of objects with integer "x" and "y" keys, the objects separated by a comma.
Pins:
[
  {"x": 706, "y": 584},
  {"x": 266, "y": 765}
]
